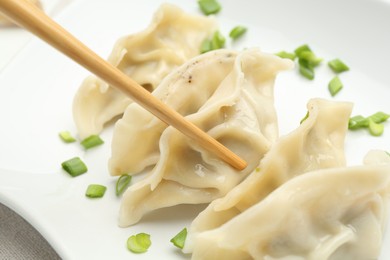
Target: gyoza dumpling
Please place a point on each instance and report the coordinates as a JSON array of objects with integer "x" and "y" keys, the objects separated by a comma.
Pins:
[
  {"x": 337, "y": 214},
  {"x": 172, "y": 38},
  {"x": 227, "y": 94},
  {"x": 317, "y": 143}
]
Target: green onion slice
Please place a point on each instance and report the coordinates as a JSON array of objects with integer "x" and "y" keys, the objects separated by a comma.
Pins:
[
  {"x": 209, "y": 6},
  {"x": 357, "y": 122},
  {"x": 376, "y": 129},
  {"x": 237, "y": 32},
  {"x": 373, "y": 123},
  {"x": 379, "y": 117},
  {"x": 218, "y": 41},
  {"x": 338, "y": 66},
  {"x": 205, "y": 46},
  {"x": 139, "y": 243},
  {"x": 180, "y": 238},
  {"x": 121, "y": 184},
  {"x": 95, "y": 191},
  {"x": 306, "y": 69},
  {"x": 335, "y": 85},
  {"x": 298, "y": 51},
  {"x": 306, "y": 72},
  {"x": 307, "y": 60},
  {"x": 286, "y": 55},
  {"x": 361, "y": 122},
  {"x": 310, "y": 57},
  {"x": 66, "y": 137},
  {"x": 74, "y": 166},
  {"x": 304, "y": 119},
  {"x": 91, "y": 141}
]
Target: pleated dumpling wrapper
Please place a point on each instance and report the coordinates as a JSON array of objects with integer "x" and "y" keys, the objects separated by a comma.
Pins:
[
  {"x": 227, "y": 94},
  {"x": 171, "y": 39},
  {"x": 317, "y": 143},
  {"x": 336, "y": 213}
]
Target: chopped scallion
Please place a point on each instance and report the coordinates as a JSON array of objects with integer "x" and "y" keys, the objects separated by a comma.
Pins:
[
  {"x": 335, "y": 85},
  {"x": 66, "y": 137},
  {"x": 139, "y": 243},
  {"x": 180, "y": 239},
  {"x": 205, "y": 46},
  {"x": 91, "y": 141},
  {"x": 376, "y": 129},
  {"x": 218, "y": 41},
  {"x": 306, "y": 69},
  {"x": 286, "y": 55},
  {"x": 209, "y": 6},
  {"x": 237, "y": 32},
  {"x": 74, "y": 166},
  {"x": 121, "y": 184},
  {"x": 95, "y": 191},
  {"x": 357, "y": 122},
  {"x": 310, "y": 57},
  {"x": 306, "y": 117},
  {"x": 307, "y": 60},
  {"x": 379, "y": 117},
  {"x": 301, "y": 49},
  {"x": 338, "y": 66},
  {"x": 373, "y": 123}
]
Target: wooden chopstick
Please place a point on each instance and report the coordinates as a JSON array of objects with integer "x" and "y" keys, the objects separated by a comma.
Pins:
[{"x": 34, "y": 20}]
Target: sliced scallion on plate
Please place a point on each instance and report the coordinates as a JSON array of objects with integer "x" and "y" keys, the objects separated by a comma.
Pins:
[
  {"x": 95, "y": 191},
  {"x": 92, "y": 141},
  {"x": 139, "y": 243},
  {"x": 121, "y": 184},
  {"x": 67, "y": 137},
  {"x": 209, "y": 6},
  {"x": 180, "y": 238},
  {"x": 237, "y": 32},
  {"x": 338, "y": 66},
  {"x": 335, "y": 85},
  {"x": 74, "y": 166}
]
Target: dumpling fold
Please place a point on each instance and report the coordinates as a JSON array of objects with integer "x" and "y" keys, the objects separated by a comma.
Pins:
[
  {"x": 336, "y": 213},
  {"x": 317, "y": 143},
  {"x": 172, "y": 38},
  {"x": 303, "y": 202},
  {"x": 227, "y": 94}
]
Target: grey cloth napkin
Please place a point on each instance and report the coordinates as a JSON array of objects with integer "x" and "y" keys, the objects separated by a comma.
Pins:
[{"x": 19, "y": 240}]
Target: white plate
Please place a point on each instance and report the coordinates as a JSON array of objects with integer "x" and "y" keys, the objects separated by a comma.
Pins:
[
  {"x": 13, "y": 39},
  {"x": 37, "y": 88}
]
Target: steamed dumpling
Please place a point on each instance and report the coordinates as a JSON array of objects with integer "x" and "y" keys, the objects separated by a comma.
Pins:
[
  {"x": 337, "y": 213},
  {"x": 227, "y": 94},
  {"x": 172, "y": 38},
  {"x": 317, "y": 143}
]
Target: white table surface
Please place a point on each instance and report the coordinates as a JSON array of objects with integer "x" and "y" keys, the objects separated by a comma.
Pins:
[{"x": 18, "y": 239}]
